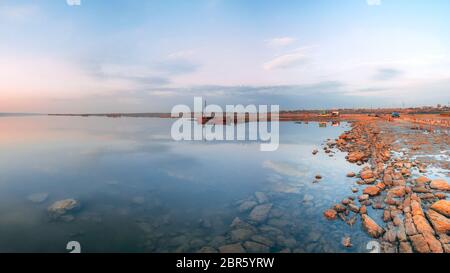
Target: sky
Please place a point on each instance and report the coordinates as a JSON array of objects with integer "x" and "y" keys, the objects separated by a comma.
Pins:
[{"x": 150, "y": 55}]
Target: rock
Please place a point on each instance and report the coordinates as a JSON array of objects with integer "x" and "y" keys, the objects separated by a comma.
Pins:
[
  {"x": 422, "y": 180},
  {"x": 241, "y": 234},
  {"x": 339, "y": 208},
  {"x": 433, "y": 243},
  {"x": 355, "y": 190},
  {"x": 367, "y": 174},
  {"x": 256, "y": 247},
  {"x": 318, "y": 177},
  {"x": 440, "y": 184},
  {"x": 440, "y": 223},
  {"x": 247, "y": 205},
  {"x": 261, "y": 197},
  {"x": 398, "y": 191},
  {"x": 347, "y": 242},
  {"x": 363, "y": 197},
  {"x": 416, "y": 208},
  {"x": 442, "y": 206},
  {"x": 38, "y": 197},
  {"x": 207, "y": 249},
  {"x": 233, "y": 248},
  {"x": 263, "y": 240},
  {"x": 59, "y": 208},
  {"x": 422, "y": 224},
  {"x": 356, "y": 156},
  {"x": 372, "y": 228},
  {"x": 405, "y": 247},
  {"x": 351, "y": 174},
  {"x": 259, "y": 213},
  {"x": 386, "y": 216},
  {"x": 353, "y": 208},
  {"x": 315, "y": 151},
  {"x": 363, "y": 209},
  {"x": 372, "y": 190},
  {"x": 419, "y": 243},
  {"x": 330, "y": 214}
]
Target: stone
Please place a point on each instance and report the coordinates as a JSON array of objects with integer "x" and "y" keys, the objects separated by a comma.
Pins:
[
  {"x": 440, "y": 184},
  {"x": 330, "y": 214},
  {"x": 247, "y": 205},
  {"x": 38, "y": 197},
  {"x": 372, "y": 228},
  {"x": 351, "y": 174},
  {"x": 363, "y": 209},
  {"x": 367, "y": 174},
  {"x": 241, "y": 234},
  {"x": 433, "y": 243},
  {"x": 261, "y": 197},
  {"x": 259, "y": 213},
  {"x": 59, "y": 208},
  {"x": 263, "y": 240},
  {"x": 232, "y": 248},
  {"x": 442, "y": 206},
  {"x": 254, "y": 247},
  {"x": 398, "y": 191},
  {"x": 355, "y": 157},
  {"x": 422, "y": 224},
  {"x": 315, "y": 151},
  {"x": 318, "y": 177},
  {"x": 422, "y": 180},
  {"x": 372, "y": 190},
  {"x": 353, "y": 208},
  {"x": 416, "y": 208},
  {"x": 339, "y": 208},
  {"x": 419, "y": 243},
  {"x": 405, "y": 247},
  {"x": 386, "y": 216},
  {"x": 363, "y": 197},
  {"x": 207, "y": 249},
  {"x": 440, "y": 223},
  {"x": 347, "y": 242}
]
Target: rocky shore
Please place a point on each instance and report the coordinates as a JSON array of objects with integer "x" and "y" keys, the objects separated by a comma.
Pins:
[{"x": 415, "y": 210}]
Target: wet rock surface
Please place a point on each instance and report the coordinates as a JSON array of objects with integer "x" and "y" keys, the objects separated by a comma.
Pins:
[{"x": 415, "y": 210}]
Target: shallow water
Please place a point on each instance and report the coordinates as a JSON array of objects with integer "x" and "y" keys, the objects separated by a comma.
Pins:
[{"x": 140, "y": 191}]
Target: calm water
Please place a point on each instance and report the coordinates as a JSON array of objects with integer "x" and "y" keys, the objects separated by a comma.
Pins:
[{"x": 142, "y": 192}]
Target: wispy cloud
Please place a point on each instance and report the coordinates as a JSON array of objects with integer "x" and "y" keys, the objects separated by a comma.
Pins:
[
  {"x": 18, "y": 13},
  {"x": 385, "y": 74},
  {"x": 280, "y": 42},
  {"x": 288, "y": 60},
  {"x": 373, "y": 2}
]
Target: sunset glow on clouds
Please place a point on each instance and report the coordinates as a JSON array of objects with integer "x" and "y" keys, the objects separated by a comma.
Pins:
[{"x": 149, "y": 55}]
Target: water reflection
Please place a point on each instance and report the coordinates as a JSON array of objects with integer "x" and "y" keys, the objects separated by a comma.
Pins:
[{"x": 140, "y": 191}]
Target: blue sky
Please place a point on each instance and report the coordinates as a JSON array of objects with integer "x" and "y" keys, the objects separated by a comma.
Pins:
[{"x": 134, "y": 56}]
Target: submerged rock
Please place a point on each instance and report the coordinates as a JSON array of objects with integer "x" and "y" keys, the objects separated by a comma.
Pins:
[
  {"x": 247, "y": 205},
  {"x": 347, "y": 242},
  {"x": 259, "y": 213},
  {"x": 62, "y": 207},
  {"x": 233, "y": 248},
  {"x": 261, "y": 197},
  {"x": 254, "y": 247}
]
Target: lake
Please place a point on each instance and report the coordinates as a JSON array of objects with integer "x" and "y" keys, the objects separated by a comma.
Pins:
[{"x": 140, "y": 191}]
